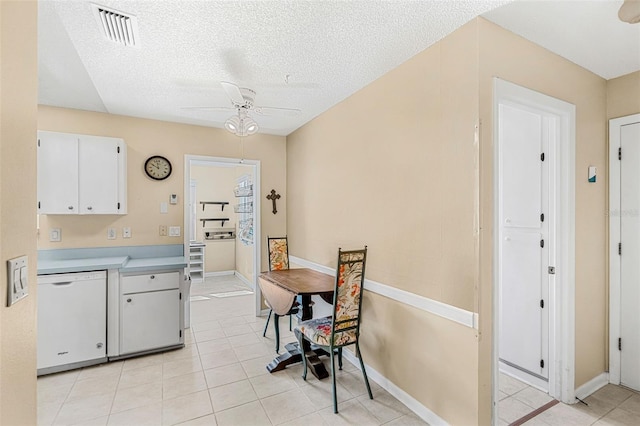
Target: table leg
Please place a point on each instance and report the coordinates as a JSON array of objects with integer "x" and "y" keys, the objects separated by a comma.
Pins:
[{"x": 294, "y": 356}]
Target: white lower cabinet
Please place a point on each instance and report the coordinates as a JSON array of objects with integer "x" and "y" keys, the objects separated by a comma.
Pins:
[{"x": 150, "y": 314}]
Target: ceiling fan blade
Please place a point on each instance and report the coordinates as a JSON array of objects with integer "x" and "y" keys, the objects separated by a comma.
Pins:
[
  {"x": 287, "y": 112},
  {"x": 233, "y": 92},
  {"x": 630, "y": 11},
  {"x": 209, "y": 108}
]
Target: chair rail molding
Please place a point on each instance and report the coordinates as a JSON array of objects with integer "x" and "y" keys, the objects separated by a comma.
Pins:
[{"x": 450, "y": 312}]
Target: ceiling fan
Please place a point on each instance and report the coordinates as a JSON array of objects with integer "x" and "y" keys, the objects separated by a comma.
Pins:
[
  {"x": 242, "y": 100},
  {"x": 630, "y": 11}
]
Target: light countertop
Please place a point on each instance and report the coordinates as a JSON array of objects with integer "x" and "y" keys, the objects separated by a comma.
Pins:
[{"x": 136, "y": 261}]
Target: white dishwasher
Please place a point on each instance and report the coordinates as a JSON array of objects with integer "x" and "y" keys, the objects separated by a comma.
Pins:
[{"x": 72, "y": 320}]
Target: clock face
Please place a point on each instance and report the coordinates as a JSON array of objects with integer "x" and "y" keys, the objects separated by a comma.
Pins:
[{"x": 157, "y": 167}]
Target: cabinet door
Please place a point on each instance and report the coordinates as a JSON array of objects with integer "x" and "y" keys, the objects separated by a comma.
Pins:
[
  {"x": 57, "y": 173},
  {"x": 149, "y": 320},
  {"x": 99, "y": 175}
]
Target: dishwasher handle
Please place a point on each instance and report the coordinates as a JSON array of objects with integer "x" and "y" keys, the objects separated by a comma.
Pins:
[{"x": 62, "y": 283}]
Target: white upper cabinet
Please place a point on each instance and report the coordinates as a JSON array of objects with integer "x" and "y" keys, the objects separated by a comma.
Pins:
[{"x": 81, "y": 174}]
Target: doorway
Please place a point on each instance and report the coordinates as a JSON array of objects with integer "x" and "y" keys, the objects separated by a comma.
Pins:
[
  {"x": 534, "y": 279},
  {"x": 624, "y": 251},
  {"x": 222, "y": 221}
]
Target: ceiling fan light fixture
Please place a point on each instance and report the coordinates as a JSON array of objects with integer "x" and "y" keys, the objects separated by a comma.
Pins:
[
  {"x": 232, "y": 124},
  {"x": 241, "y": 125}
]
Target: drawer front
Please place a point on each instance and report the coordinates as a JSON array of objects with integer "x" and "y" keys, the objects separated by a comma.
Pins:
[{"x": 150, "y": 282}]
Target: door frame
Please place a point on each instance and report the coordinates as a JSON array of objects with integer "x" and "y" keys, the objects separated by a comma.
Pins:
[
  {"x": 614, "y": 214},
  {"x": 223, "y": 161},
  {"x": 562, "y": 292}
]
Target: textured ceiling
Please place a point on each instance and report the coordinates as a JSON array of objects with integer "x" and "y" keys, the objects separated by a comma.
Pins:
[{"x": 307, "y": 55}]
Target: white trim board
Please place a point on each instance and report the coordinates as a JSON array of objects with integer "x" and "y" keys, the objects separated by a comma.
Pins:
[
  {"x": 218, "y": 273},
  {"x": 453, "y": 313},
  {"x": 410, "y": 402},
  {"x": 592, "y": 385}
]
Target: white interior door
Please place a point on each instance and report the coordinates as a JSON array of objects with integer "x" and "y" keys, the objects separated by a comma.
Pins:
[
  {"x": 630, "y": 255},
  {"x": 525, "y": 241}
]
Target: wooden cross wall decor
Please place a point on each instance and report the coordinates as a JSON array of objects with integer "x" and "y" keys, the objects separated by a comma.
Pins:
[{"x": 273, "y": 197}]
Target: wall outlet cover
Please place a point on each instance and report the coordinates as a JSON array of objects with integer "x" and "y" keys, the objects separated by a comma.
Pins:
[
  {"x": 55, "y": 235},
  {"x": 173, "y": 198},
  {"x": 163, "y": 230},
  {"x": 174, "y": 231},
  {"x": 126, "y": 232},
  {"x": 111, "y": 234}
]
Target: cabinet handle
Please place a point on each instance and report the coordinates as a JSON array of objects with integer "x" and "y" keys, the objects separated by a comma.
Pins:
[
  {"x": 128, "y": 300},
  {"x": 70, "y": 207},
  {"x": 153, "y": 276},
  {"x": 89, "y": 208}
]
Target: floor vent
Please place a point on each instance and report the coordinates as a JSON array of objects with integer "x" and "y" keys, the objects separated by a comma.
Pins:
[{"x": 117, "y": 26}]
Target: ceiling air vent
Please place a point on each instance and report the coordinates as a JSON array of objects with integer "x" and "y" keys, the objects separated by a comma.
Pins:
[{"x": 117, "y": 26}]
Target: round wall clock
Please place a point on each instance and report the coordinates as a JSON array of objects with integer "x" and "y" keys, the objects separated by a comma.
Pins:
[{"x": 157, "y": 167}]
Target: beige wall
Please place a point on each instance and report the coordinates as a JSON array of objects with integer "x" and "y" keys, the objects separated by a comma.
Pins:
[
  {"x": 623, "y": 95},
  {"x": 216, "y": 184},
  {"x": 18, "y": 115},
  {"x": 512, "y": 58},
  {"x": 392, "y": 167},
  {"x": 145, "y": 138}
]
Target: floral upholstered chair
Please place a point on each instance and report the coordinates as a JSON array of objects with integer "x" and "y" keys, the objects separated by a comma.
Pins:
[
  {"x": 343, "y": 327},
  {"x": 278, "y": 260}
]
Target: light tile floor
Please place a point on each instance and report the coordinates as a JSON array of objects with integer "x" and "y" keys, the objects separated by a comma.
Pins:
[
  {"x": 610, "y": 405},
  {"x": 219, "y": 378}
]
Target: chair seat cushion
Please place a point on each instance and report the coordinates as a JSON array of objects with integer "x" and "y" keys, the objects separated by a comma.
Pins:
[{"x": 318, "y": 331}]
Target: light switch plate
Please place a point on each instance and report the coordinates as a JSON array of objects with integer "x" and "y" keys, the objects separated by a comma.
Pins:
[
  {"x": 55, "y": 235},
  {"x": 17, "y": 282},
  {"x": 163, "y": 208},
  {"x": 174, "y": 231},
  {"x": 111, "y": 234}
]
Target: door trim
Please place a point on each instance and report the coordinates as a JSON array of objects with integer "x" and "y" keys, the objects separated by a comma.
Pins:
[
  {"x": 255, "y": 164},
  {"x": 614, "y": 238},
  {"x": 562, "y": 294}
]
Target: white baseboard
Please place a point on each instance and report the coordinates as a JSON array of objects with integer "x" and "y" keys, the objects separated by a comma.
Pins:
[
  {"x": 244, "y": 280},
  {"x": 450, "y": 312},
  {"x": 592, "y": 385},
  {"x": 414, "y": 405},
  {"x": 218, "y": 273}
]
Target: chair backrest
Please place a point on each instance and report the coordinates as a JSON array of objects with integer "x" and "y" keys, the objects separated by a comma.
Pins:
[
  {"x": 278, "y": 253},
  {"x": 347, "y": 300}
]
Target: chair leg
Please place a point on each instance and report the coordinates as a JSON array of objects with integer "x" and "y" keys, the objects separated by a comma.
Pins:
[
  {"x": 290, "y": 322},
  {"x": 364, "y": 371},
  {"x": 276, "y": 324},
  {"x": 340, "y": 358},
  {"x": 333, "y": 382},
  {"x": 264, "y": 333},
  {"x": 304, "y": 358}
]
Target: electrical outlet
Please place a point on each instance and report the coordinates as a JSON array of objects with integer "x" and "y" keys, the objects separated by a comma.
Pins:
[
  {"x": 174, "y": 231},
  {"x": 163, "y": 230},
  {"x": 126, "y": 232},
  {"x": 111, "y": 234}
]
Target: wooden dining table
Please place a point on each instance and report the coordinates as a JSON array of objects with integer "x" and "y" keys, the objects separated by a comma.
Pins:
[{"x": 280, "y": 288}]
